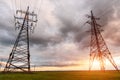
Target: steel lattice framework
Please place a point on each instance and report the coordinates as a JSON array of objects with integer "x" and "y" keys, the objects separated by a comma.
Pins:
[
  {"x": 98, "y": 47},
  {"x": 19, "y": 58}
]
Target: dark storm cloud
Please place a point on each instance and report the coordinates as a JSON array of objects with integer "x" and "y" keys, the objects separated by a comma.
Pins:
[
  {"x": 68, "y": 27},
  {"x": 7, "y": 34},
  {"x": 45, "y": 41},
  {"x": 66, "y": 12},
  {"x": 104, "y": 9},
  {"x": 78, "y": 33}
]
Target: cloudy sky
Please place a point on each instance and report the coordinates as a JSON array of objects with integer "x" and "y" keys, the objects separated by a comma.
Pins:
[{"x": 61, "y": 40}]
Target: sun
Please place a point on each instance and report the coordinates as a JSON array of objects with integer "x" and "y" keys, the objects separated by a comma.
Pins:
[{"x": 96, "y": 65}]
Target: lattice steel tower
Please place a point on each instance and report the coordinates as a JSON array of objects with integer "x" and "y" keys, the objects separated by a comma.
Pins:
[
  {"x": 19, "y": 58},
  {"x": 98, "y": 47}
]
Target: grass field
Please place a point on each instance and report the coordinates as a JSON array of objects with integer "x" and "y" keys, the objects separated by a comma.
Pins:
[{"x": 62, "y": 75}]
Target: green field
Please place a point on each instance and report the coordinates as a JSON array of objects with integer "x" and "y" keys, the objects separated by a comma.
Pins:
[{"x": 62, "y": 75}]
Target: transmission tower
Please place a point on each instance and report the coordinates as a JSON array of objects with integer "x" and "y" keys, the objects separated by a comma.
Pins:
[
  {"x": 98, "y": 47},
  {"x": 19, "y": 58}
]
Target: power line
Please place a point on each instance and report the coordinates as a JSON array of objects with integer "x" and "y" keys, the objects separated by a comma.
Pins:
[
  {"x": 12, "y": 7},
  {"x": 30, "y": 2},
  {"x": 20, "y": 5},
  {"x": 39, "y": 9},
  {"x": 15, "y": 5},
  {"x": 107, "y": 8},
  {"x": 35, "y": 5}
]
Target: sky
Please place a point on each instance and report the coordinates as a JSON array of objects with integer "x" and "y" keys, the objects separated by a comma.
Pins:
[{"x": 61, "y": 40}]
